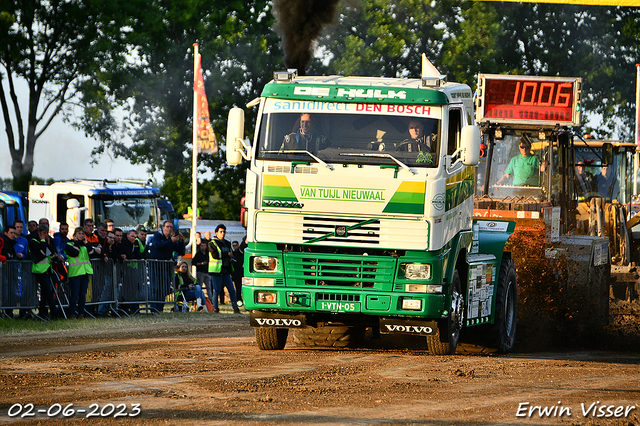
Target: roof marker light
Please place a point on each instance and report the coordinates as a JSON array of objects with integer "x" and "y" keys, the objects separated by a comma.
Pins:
[{"x": 285, "y": 76}]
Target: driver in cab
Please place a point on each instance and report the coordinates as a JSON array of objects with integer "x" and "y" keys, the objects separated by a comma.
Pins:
[
  {"x": 306, "y": 137},
  {"x": 525, "y": 168}
]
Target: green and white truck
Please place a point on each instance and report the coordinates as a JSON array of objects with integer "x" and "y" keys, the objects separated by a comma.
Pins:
[{"x": 361, "y": 228}]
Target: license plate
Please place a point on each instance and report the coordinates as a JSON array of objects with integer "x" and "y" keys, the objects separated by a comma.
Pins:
[{"x": 334, "y": 306}]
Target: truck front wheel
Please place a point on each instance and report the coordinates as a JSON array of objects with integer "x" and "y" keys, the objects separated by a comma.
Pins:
[
  {"x": 271, "y": 339},
  {"x": 445, "y": 341},
  {"x": 504, "y": 327}
]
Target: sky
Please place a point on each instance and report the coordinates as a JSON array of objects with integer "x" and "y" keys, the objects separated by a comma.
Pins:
[{"x": 64, "y": 153}]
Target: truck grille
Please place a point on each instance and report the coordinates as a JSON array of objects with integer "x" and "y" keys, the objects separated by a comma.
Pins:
[
  {"x": 328, "y": 229},
  {"x": 363, "y": 232},
  {"x": 339, "y": 270}
]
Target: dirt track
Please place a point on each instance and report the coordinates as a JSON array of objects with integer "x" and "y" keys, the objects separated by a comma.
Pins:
[{"x": 209, "y": 370}]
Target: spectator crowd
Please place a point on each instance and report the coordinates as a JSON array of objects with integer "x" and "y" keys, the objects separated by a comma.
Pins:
[{"x": 69, "y": 257}]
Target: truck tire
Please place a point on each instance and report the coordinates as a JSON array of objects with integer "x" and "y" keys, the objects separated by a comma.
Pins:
[
  {"x": 329, "y": 336},
  {"x": 503, "y": 330},
  {"x": 445, "y": 341},
  {"x": 271, "y": 339}
]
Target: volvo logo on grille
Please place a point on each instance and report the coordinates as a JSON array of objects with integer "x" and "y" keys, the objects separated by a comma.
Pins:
[
  {"x": 341, "y": 231},
  {"x": 282, "y": 203}
]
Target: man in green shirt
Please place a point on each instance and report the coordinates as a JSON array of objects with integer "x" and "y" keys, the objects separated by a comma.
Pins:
[{"x": 524, "y": 168}]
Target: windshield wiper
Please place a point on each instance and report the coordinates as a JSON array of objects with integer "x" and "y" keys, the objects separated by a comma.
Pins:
[
  {"x": 300, "y": 151},
  {"x": 381, "y": 155}
]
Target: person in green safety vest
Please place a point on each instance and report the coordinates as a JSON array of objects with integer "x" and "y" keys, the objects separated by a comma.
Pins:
[
  {"x": 220, "y": 268},
  {"x": 42, "y": 253},
  {"x": 188, "y": 215},
  {"x": 80, "y": 270},
  {"x": 142, "y": 238}
]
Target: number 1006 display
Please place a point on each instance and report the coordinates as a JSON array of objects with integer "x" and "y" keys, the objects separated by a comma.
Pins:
[{"x": 528, "y": 100}]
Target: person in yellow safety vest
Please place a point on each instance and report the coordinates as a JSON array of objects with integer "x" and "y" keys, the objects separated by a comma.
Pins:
[
  {"x": 142, "y": 238},
  {"x": 42, "y": 252},
  {"x": 189, "y": 214},
  {"x": 80, "y": 269},
  {"x": 220, "y": 268}
]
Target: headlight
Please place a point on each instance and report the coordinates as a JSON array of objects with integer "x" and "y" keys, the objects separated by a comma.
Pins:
[
  {"x": 412, "y": 304},
  {"x": 265, "y": 264},
  {"x": 417, "y": 271},
  {"x": 269, "y": 298}
]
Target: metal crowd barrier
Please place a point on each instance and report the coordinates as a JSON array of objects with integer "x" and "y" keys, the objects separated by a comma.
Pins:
[
  {"x": 102, "y": 284},
  {"x": 120, "y": 287},
  {"x": 160, "y": 283},
  {"x": 18, "y": 289}
]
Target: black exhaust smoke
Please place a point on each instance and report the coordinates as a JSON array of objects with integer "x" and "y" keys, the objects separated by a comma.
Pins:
[{"x": 299, "y": 23}]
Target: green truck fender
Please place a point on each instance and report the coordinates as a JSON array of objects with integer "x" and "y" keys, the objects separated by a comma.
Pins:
[
  {"x": 492, "y": 235},
  {"x": 486, "y": 237}
]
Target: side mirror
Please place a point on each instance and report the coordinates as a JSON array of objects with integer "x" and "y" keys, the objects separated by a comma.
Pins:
[
  {"x": 470, "y": 144},
  {"x": 607, "y": 154},
  {"x": 235, "y": 136}
]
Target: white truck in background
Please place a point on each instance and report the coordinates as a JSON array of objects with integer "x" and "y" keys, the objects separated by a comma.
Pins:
[{"x": 127, "y": 203}]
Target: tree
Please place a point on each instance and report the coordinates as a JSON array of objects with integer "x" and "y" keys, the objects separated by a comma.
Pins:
[
  {"x": 592, "y": 42},
  {"x": 599, "y": 44},
  {"x": 239, "y": 52},
  {"x": 56, "y": 47},
  {"x": 380, "y": 38}
]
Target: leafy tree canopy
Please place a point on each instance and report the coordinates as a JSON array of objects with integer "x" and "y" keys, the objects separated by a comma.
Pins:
[
  {"x": 599, "y": 44},
  {"x": 130, "y": 65},
  {"x": 57, "y": 47},
  {"x": 155, "y": 89}
]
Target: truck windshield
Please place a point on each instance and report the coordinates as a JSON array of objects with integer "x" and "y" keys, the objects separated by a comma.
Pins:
[
  {"x": 127, "y": 213},
  {"x": 517, "y": 168},
  {"x": 343, "y": 134}
]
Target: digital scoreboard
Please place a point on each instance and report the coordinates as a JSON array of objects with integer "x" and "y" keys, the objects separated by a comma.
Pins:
[{"x": 520, "y": 99}]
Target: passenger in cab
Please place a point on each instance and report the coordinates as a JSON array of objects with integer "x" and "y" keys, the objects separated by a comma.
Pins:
[
  {"x": 607, "y": 184},
  {"x": 585, "y": 182}
]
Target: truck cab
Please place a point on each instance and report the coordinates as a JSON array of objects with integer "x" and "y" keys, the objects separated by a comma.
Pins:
[
  {"x": 356, "y": 222},
  {"x": 128, "y": 204}
]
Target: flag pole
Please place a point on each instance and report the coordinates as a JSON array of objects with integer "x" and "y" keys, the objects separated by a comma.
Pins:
[
  {"x": 636, "y": 157},
  {"x": 194, "y": 165}
]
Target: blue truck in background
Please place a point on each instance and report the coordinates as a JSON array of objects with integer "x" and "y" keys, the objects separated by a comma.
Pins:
[{"x": 13, "y": 206}]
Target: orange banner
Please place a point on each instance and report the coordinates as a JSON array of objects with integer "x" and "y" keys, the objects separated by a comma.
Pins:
[{"x": 206, "y": 139}]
